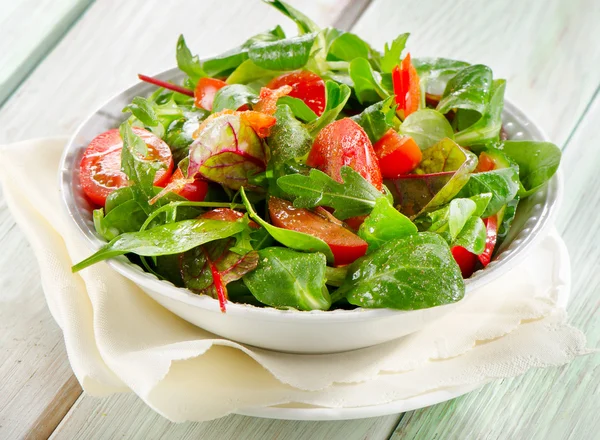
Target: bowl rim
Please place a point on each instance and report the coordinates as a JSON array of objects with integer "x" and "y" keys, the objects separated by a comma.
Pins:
[{"x": 509, "y": 257}]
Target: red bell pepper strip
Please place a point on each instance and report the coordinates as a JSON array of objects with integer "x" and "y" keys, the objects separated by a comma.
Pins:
[
  {"x": 407, "y": 89},
  {"x": 491, "y": 224}
]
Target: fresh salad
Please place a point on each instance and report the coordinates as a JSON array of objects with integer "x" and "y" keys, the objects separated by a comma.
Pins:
[{"x": 313, "y": 172}]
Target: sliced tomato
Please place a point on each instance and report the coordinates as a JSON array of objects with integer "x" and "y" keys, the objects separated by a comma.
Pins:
[
  {"x": 307, "y": 86},
  {"x": 227, "y": 215},
  {"x": 193, "y": 191},
  {"x": 491, "y": 225},
  {"x": 205, "y": 92},
  {"x": 344, "y": 142},
  {"x": 485, "y": 163},
  {"x": 397, "y": 154},
  {"x": 100, "y": 168},
  {"x": 465, "y": 259},
  {"x": 345, "y": 245},
  {"x": 407, "y": 87}
]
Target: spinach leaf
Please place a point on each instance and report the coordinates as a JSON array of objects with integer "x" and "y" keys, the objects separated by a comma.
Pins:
[
  {"x": 126, "y": 217},
  {"x": 408, "y": 273},
  {"x": 487, "y": 128},
  {"x": 377, "y": 119},
  {"x": 385, "y": 223},
  {"x": 506, "y": 215},
  {"x": 188, "y": 63},
  {"x": 288, "y": 54},
  {"x": 392, "y": 54},
  {"x": 468, "y": 89},
  {"x": 434, "y": 73},
  {"x": 503, "y": 184},
  {"x": 538, "y": 161},
  {"x": 348, "y": 46},
  {"x": 171, "y": 238},
  {"x": 305, "y": 24},
  {"x": 337, "y": 96},
  {"x": 354, "y": 197},
  {"x": 427, "y": 127},
  {"x": 233, "y": 96},
  {"x": 298, "y": 107},
  {"x": 292, "y": 239},
  {"x": 248, "y": 72},
  {"x": 367, "y": 82},
  {"x": 198, "y": 263},
  {"x": 288, "y": 279}
]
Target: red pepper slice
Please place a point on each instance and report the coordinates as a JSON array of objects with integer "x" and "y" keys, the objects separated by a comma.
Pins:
[
  {"x": 407, "y": 89},
  {"x": 491, "y": 224}
]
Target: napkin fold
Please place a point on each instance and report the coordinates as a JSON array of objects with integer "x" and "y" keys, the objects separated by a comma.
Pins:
[{"x": 119, "y": 339}]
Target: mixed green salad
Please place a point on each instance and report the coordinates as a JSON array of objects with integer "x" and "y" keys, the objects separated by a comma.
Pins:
[{"x": 313, "y": 172}]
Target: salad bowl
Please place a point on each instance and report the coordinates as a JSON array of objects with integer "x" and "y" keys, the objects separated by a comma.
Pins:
[{"x": 291, "y": 330}]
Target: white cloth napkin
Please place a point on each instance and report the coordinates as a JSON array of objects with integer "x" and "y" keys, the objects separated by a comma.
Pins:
[{"x": 119, "y": 339}]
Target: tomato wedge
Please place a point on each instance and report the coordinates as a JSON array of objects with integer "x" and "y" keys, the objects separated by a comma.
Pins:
[
  {"x": 397, "y": 154},
  {"x": 491, "y": 226},
  {"x": 465, "y": 259},
  {"x": 407, "y": 87},
  {"x": 205, "y": 92},
  {"x": 193, "y": 191},
  {"x": 307, "y": 86},
  {"x": 100, "y": 169},
  {"x": 345, "y": 245},
  {"x": 227, "y": 215},
  {"x": 485, "y": 163},
  {"x": 344, "y": 142}
]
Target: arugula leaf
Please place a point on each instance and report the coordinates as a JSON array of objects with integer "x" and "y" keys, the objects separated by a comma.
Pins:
[
  {"x": 288, "y": 279},
  {"x": 410, "y": 273},
  {"x": 288, "y": 54},
  {"x": 468, "y": 89},
  {"x": 538, "y": 161},
  {"x": 377, "y": 119},
  {"x": 434, "y": 73},
  {"x": 233, "y": 96},
  {"x": 298, "y": 107},
  {"x": 367, "y": 82},
  {"x": 153, "y": 116},
  {"x": 392, "y": 54},
  {"x": 337, "y": 96},
  {"x": 196, "y": 266},
  {"x": 427, "y": 127},
  {"x": 385, "y": 223},
  {"x": 305, "y": 24},
  {"x": 487, "y": 128},
  {"x": 171, "y": 238},
  {"x": 188, "y": 63},
  {"x": 503, "y": 184},
  {"x": 354, "y": 197},
  {"x": 292, "y": 239}
]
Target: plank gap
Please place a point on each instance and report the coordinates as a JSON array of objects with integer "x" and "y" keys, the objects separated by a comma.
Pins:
[{"x": 351, "y": 14}]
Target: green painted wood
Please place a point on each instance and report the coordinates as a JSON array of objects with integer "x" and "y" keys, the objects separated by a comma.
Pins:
[{"x": 29, "y": 29}]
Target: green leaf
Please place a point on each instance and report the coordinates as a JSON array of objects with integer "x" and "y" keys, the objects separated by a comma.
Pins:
[
  {"x": 288, "y": 54},
  {"x": 392, "y": 54},
  {"x": 292, "y": 239},
  {"x": 298, "y": 107},
  {"x": 155, "y": 117},
  {"x": 143, "y": 110},
  {"x": 506, "y": 216},
  {"x": 305, "y": 24},
  {"x": 377, "y": 119},
  {"x": 337, "y": 96},
  {"x": 538, "y": 162},
  {"x": 168, "y": 239},
  {"x": 434, "y": 73},
  {"x": 347, "y": 47},
  {"x": 503, "y": 184},
  {"x": 487, "y": 128},
  {"x": 446, "y": 155},
  {"x": 367, "y": 82},
  {"x": 385, "y": 223},
  {"x": 410, "y": 273},
  {"x": 472, "y": 236},
  {"x": 289, "y": 139},
  {"x": 188, "y": 63},
  {"x": 354, "y": 197},
  {"x": 460, "y": 210},
  {"x": 288, "y": 279},
  {"x": 126, "y": 217},
  {"x": 427, "y": 127},
  {"x": 248, "y": 72},
  {"x": 468, "y": 89},
  {"x": 233, "y": 96},
  {"x": 179, "y": 133}
]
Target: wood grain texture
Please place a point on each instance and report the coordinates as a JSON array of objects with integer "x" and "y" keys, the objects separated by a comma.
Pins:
[
  {"x": 28, "y": 31},
  {"x": 125, "y": 416}
]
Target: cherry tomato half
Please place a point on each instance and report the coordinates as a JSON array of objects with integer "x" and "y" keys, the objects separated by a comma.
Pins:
[
  {"x": 307, "y": 86},
  {"x": 345, "y": 245},
  {"x": 485, "y": 163},
  {"x": 227, "y": 215},
  {"x": 194, "y": 191},
  {"x": 344, "y": 142},
  {"x": 397, "y": 154},
  {"x": 205, "y": 92},
  {"x": 100, "y": 168}
]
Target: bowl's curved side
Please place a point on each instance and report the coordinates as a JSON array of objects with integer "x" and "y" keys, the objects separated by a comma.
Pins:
[{"x": 240, "y": 322}]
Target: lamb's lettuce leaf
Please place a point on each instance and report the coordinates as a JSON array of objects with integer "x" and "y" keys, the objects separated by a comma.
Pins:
[
  {"x": 385, "y": 223},
  {"x": 427, "y": 127}
]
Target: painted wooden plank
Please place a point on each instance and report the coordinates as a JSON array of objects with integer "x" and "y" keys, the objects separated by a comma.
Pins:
[
  {"x": 28, "y": 31},
  {"x": 556, "y": 403},
  {"x": 126, "y": 416}
]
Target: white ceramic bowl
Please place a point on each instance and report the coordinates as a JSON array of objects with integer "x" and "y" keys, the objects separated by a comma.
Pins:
[{"x": 289, "y": 330}]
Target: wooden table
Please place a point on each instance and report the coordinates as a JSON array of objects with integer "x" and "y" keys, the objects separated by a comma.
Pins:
[{"x": 61, "y": 59}]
